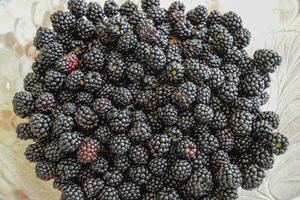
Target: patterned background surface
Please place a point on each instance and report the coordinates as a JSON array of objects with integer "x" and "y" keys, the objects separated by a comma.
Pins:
[{"x": 274, "y": 24}]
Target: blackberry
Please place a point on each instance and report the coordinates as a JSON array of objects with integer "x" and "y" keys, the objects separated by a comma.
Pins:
[
  {"x": 253, "y": 176},
  {"x": 192, "y": 48},
  {"x": 267, "y": 60},
  {"x": 220, "y": 120},
  {"x": 102, "y": 106},
  {"x": 262, "y": 128},
  {"x": 130, "y": 191},
  {"x": 186, "y": 149},
  {"x": 197, "y": 72},
  {"x": 168, "y": 193},
  {"x": 212, "y": 60},
  {"x": 67, "y": 64},
  {"x": 119, "y": 120},
  {"x": 111, "y": 8},
  {"x": 160, "y": 145},
  {"x": 217, "y": 78},
  {"x": 85, "y": 29},
  {"x": 263, "y": 157},
  {"x": 139, "y": 155},
  {"x": 52, "y": 152},
  {"x": 103, "y": 134},
  {"x": 229, "y": 176},
  {"x": 229, "y": 92},
  {"x": 203, "y": 94},
  {"x": 227, "y": 194},
  {"x": 62, "y": 123},
  {"x": 140, "y": 131},
  {"x": 43, "y": 36},
  {"x": 252, "y": 84},
  {"x": 121, "y": 163},
  {"x": 32, "y": 83},
  {"x": 185, "y": 122},
  {"x": 278, "y": 143},
  {"x": 157, "y": 60},
  {"x": 232, "y": 21},
  {"x": 100, "y": 165},
  {"x": 88, "y": 150},
  {"x": 148, "y": 4},
  {"x": 181, "y": 170},
  {"x": 75, "y": 80},
  {"x": 139, "y": 175},
  {"x": 95, "y": 13},
  {"x": 113, "y": 177},
  {"x": 176, "y": 5},
  {"x": 121, "y": 96},
  {"x": 93, "y": 81},
  {"x": 23, "y": 104},
  {"x": 271, "y": 117},
  {"x": 137, "y": 17},
  {"x": 214, "y": 18},
  {"x": 45, "y": 170},
  {"x": 70, "y": 141},
  {"x": 241, "y": 122},
  {"x": 127, "y": 41},
  {"x": 54, "y": 80},
  {"x": 40, "y": 125},
  {"x": 219, "y": 159},
  {"x": 242, "y": 143},
  {"x": 201, "y": 161},
  {"x": 203, "y": 113},
  {"x": 109, "y": 193},
  {"x": 119, "y": 144},
  {"x": 93, "y": 60},
  {"x": 222, "y": 42},
  {"x": 184, "y": 95},
  {"x": 231, "y": 73},
  {"x": 63, "y": 21},
  {"x": 208, "y": 143},
  {"x": 24, "y": 132},
  {"x": 158, "y": 166},
  {"x": 158, "y": 15},
  {"x": 86, "y": 118},
  {"x": 92, "y": 187},
  {"x": 183, "y": 29},
  {"x": 242, "y": 38},
  {"x": 78, "y": 7},
  {"x": 72, "y": 191},
  {"x": 45, "y": 102},
  {"x": 115, "y": 69},
  {"x": 168, "y": 114},
  {"x": 68, "y": 168},
  {"x": 34, "y": 152},
  {"x": 128, "y": 8},
  {"x": 84, "y": 98},
  {"x": 198, "y": 15},
  {"x": 226, "y": 139}
]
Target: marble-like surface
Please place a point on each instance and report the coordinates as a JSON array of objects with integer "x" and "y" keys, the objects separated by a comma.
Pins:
[{"x": 274, "y": 24}]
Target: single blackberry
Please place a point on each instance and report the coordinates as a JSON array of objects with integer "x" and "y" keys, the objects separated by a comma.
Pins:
[
  {"x": 111, "y": 8},
  {"x": 158, "y": 166},
  {"x": 138, "y": 155},
  {"x": 45, "y": 170},
  {"x": 242, "y": 38},
  {"x": 102, "y": 106},
  {"x": 129, "y": 191},
  {"x": 72, "y": 191},
  {"x": 65, "y": 96},
  {"x": 88, "y": 150},
  {"x": 168, "y": 193},
  {"x": 54, "y": 80},
  {"x": 186, "y": 149},
  {"x": 218, "y": 159},
  {"x": 140, "y": 131},
  {"x": 271, "y": 117},
  {"x": 231, "y": 73},
  {"x": 157, "y": 60},
  {"x": 34, "y": 152},
  {"x": 262, "y": 128},
  {"x": 86, "y": 29},
  {"x": 33, "y": 83},
  {"x": 115, "y": 68},
  {"x": 184, "y": 95},
  {"x": 185, "y": 123},
  {"x": 229, "y": 91},
  {"x": 241, "y": 122},
  {"x": 181, "y": 170},
  {"x": 267, "y": 60},
  {"x": 227, "y": 194},
  {"x": 232, "y": 21},
  {"x": 121, "y": 163},
  {"x": 67, "y": 64},
  {"x": 203, "y": 94},
  {"x": 222, "y": 42},
  {"x": 177, "y": 5},
  {"x": 183, "y": 29},
  {"x": 192, "y": 48},
  {"x": 119, "y": 144},
  {"x": 68, "y": 168},
  {"x": 203, "y": 113},
  {"x": 200, "y": 183},
  {"x": 93, "y": 81},
  {"x": 173, "y": 54},
  {"x": 52, "y": 152},
  {"x": 253, "y": 176},
  {"x": 70, "y": 141},
  {"x": 75, "y": 80},
  {"x": 92, "y": 187},
  {"x": 23, "y": 104},
  {"x": 214, "y": 18},
  {"x": 103, "y": 134},
  {"x": 212, "y": 60},
  {"x": 208, "y": 143},
  {"x": 160, "y": 145},
  {"x": 198, "y": 15},
  {"x": 220, "y": 120},
  {"x": 158, "y": 15},
  {"x": 168, "y": 114},
  {"x": 109, "y": 193},
  {"x": 121, "y": 96},
  {"x": 62, "y": 123},
  {"x": 201, "y": 161},
  {"x": 60, "y": 183},
  {"x": 147, "y": 31},
  {"x": 242, "y": 143},
  {"x": 43, "y": 36},
  {"x": 24, "y": 132},
  {"x": 84, "y": 98},
  {"x": 93, "y": 60},
  {"x": 278, "y": 143},
  {"x": 150, "y": 3},
  {"x": 78, "y": 8},
  {"x": 45, "y": 102},
  {"x": 127, "y": 41},
  {"x": 63, "y": 21},
  {"x": 229, "y": 176},
  {"x": 226, "y": 139},
  {"x": 119, "y": 120},
  {"x": 198, "y": 73},
  {"x": 139, "y": 175},
  {"x": 155, "y": 184},
  {"x": 100, "y": 166},
  {"x": 86, "y": 118},
  {"x": 137, "y": 17},
  {"x": 113, "y": 177},
  {"x": 217, "y": 78},
  {"x": 128, "y": 8},
  {"x": 252, "y": 84},
  {"x": 262, "y": 156},
  {"x": 95, "y": 13},
  {"x": 40, "y": 125}
]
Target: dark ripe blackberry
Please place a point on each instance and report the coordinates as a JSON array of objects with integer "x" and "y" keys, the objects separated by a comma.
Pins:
[
  {"x": 212, "y": 60},
  {"x": 109, "y": 193},
  {"x": 30, "y": 82},
  {"x": 129, "y": 191},
  {"x": 54, "y": 80},
  {"x": 173, "y": 54},
  {"x": 60, "y": 183},
  {"x": 203, "y": 94},
  {"x": 201, "y": 128},
  {"x": 115, "y": 69},
  {"x": 93, "y": 81},
  {"x": 119, "y": 120},
  {"x": 24, "y": 132},
  {"x": 220, "y": 120},
  {"x": 92, "y": 187},
  {"x": 88, "y": 150},
  {"x": 70, "y": 141},
  {"x": 186, "y": 149},
  {"x": 271, "y": 117},
  {"x": 149, "y": 196},
  {"x": 242, "y": 143},
  {"x": 184, "y": 95},
  {"x": 45, "y": 170},
  {"x": 146, "y": 4},
  {"x": 45, "y": 102},
  {"x": 278, "y": 143},
  {"x": 67, "y": 64},
  {"x": 78, "y": 8},
  {"x": 227, "y": 194},
  {"x": 197, "y": 73},
  {"x": 137, "y": 17},
  {"x": 232, "y": 21},
  {"x": 102, "y": 106},
  {"x": 113, "y": 177},
  {"x": 247, "y": 65},
  {"x": 267, "y": 60},
  {"x": 158, "y": 15},
  {"x": 222, "y": 42},
  {"x": 168, "y": 193},
  {"x": 65, "y": 96},
  {"x": 158, "y": 166},
  {"x": 183, "y": 29},
  {"x": 185, "y": 123},
  {"x": 84, "y": 98},
  {"x": 116, "y": 27},
  {"x": 140, "y": 131},
  {"x": 68, "y": 168},
  {"x": 175, "y": 16},
  {"x": 75, "y": 80},
  {"x": 128, "y": 8},
  {"x": 95, "y": 12},
  {"x": 40, "y": 125},
  {"x": 217, "y": 29},
  {"x": 177, "y": 5},
  {"x": 70, "y": 192},
  {"x": 229, "y": 92},
  {"x": 198, "y": 15},
  {"x": 79, "y": 47},
  {"x": 201, "y": 161},
  {"x": 214, "y": 17},
  {"x": 241, "y": 122},
  {"x": 155, "y": 184},
  {"x": 85, "y": 173},
  {"x": 219, "y": 159},
  {"x": 252, "y": 84},
  {"x": 34, "y": 152},
  {"x": 93, "y": 60},
  {"x": 217, "y": 78},
  {"x": 100, "y": 166},
  {"x": 63, "y": 21},
  {"x": 106, "y": 91},
  {"x": 160, "y": 145},
  {"x": 168, "y": 114},
  {"x": 262, "y": 156},
  {"x": 138, "y": 116},
  {"x": 121, "y": 96},
  {"x": 208, "y": 143},
  {"x": 229, "y": 176},
  {"x": 43, "y": 36},
  {"x": 86, "y": 29},
  {"x": 86, "y": 118},
  {"x": 226, "y": 139},
  {"x": 262, "y": 128},
  {"x": 138, "y": 154},
  {"x": 267, "y": 80},
  {"x": 139, "y": 175},
  {"x": 181, "y": 170},
  {"x": 157, "y": 60},
  {"x": 175, "y": 72},
  {"x": 200, "y": 183},
  {"x": 243, "y": 103},
  {"x": 62, "y": 123},
  {"x": 203, "y": 113},
  {"x": 242, "y": 38},
  {"x": 66, "y": 39},
  {"x": 119, "y": 144},
  {"x": 150, "y": 82},
  {"x": 111, "y": 8},
  {"x": 231, "y": 73},
  {"x": 23, "y": 104},
  {"x": 121, "y": 163},
  {"x": 253, "y": 176},
  {"x": 127, "y": 41}
]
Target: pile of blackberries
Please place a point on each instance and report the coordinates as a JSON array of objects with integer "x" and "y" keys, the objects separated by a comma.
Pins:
[{"x": 151, "y": 104}]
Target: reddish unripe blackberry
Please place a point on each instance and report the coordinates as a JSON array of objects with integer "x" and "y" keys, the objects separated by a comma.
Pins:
[{"x": 88, "y": 150}]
